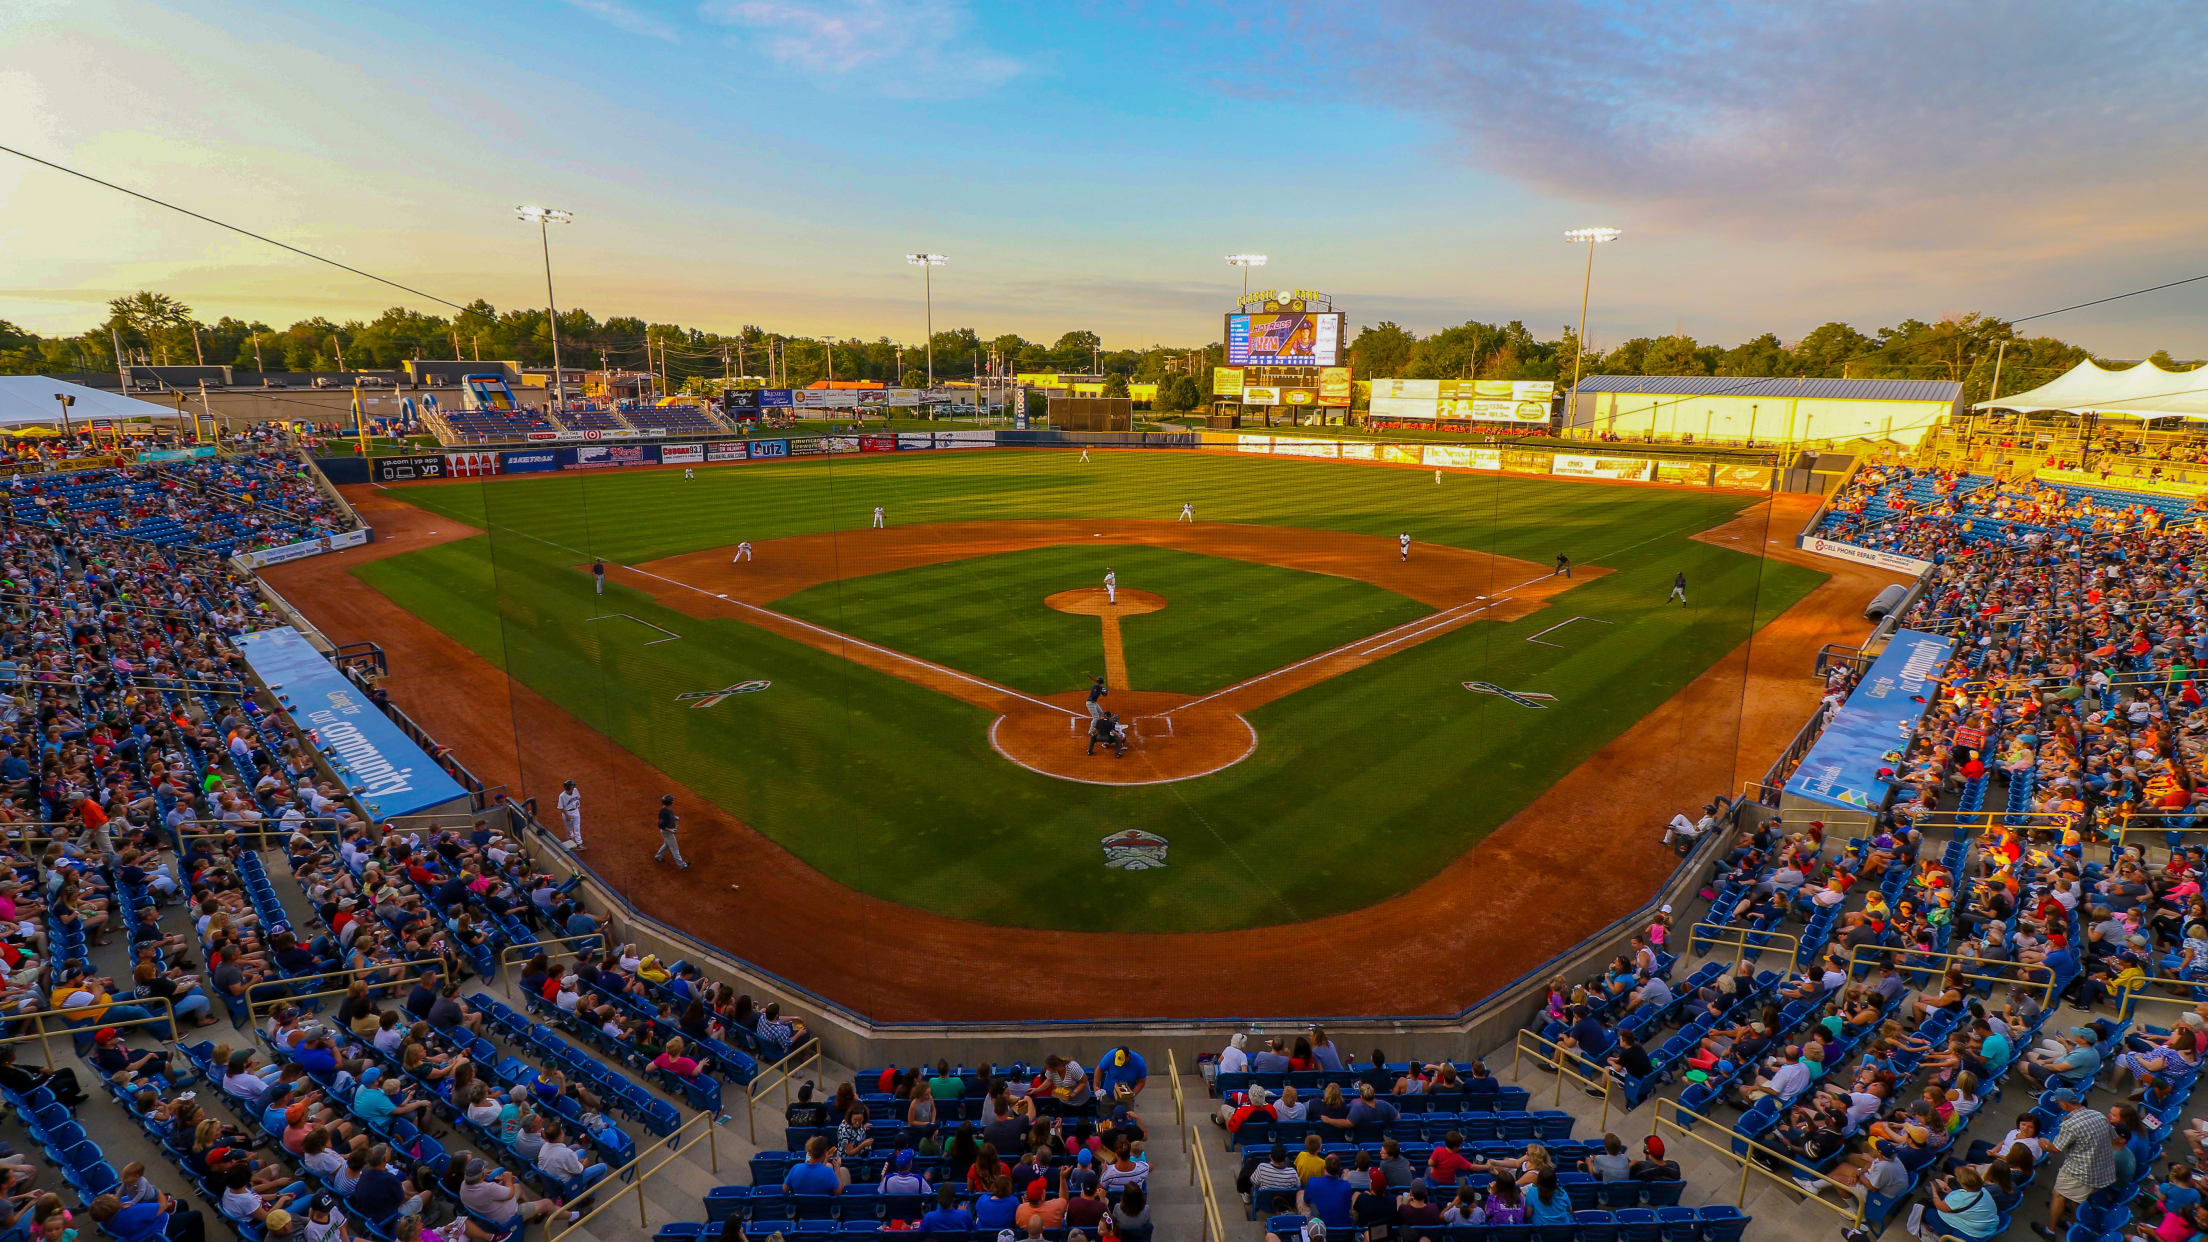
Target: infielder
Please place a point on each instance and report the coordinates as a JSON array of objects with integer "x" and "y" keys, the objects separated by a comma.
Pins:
[
  {"x": 1111, "y": 587},
  {"x": 1188, "y": 511},
  {"x": 668, "y": 821},
  {"x": 879, "y": 521},
  {"x": 743, "y": 552},
  {"x": 1404, "y": 541},
  {"x": 1563, "y": 566},
  {"x": 571, "y": 815},
  {"x": 1679, "y": 587}
]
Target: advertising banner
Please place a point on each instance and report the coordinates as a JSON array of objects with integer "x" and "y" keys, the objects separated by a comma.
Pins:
[
  {"x": 546, "y": 435},
  {"x": 1254, "y": 444},
  {"x": 970, "y": 438},
  {"x": 1753, "y": 478},
  {"x": 471, "y": 465},
  {"x": 741, "y": 399},
  {"x": 1454, "y": 456},
  {"x": 400, "y": 469},
  {"x": 761, "y": 449},
  {"x": 1486, "y": 459},
  {"x": 304, "y": 548},
  {"x": 1634, "y": 469},
  {"x": 904, "y": 397},
  {"x": 681, "y": 454},
  {"x": 1894, "y": 561},
  {"x": 825, "y": 398},
  {"x": 840, "y": 444},
  {"x": 1402, "y": 409},
  {"x": 1496, "y": 401},
  {"x": 530, "y": 461},
  {"x": 1357, "y": 450},
  {"x": 907, "y": 440},
  {"x": 872, "y": 398},
  {"x": 1851, "y": 764},
  {"x": 1414, "y": 389},
  {"x": 1693, "y": 473},
  {"x": 1334, "y": 386},
  {"x": 877, "y": 444},
  {"x": 806, "y": 448},
  {"x": 97, "y": 462},
  {"x": 1299, "y": 396},
  {"x": 1285, "y": 338},
  {"x": 367, "y": 750},
  {"x": 181, "y": 454},
  {"x": 602, "y": 456},
  {"x": 1261, "y": 396},
  {"x": 1226, "y": 382},
  {"x": 729, "y": 450},
  {"x": 1284, "y": 445},
  {"x": 1519, "y": 461},
  {"x": 775, "y": 399},
  {"x": 1401, "y": 454}
]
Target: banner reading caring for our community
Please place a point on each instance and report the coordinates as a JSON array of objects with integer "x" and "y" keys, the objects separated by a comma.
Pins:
[
  {"x": 370, "y": 752},
  {"x": 1851, "y": 764}
]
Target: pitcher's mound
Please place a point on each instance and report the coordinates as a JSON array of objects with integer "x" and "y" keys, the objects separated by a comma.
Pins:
[
  {"x": 1091, "y": 602},
  {"x": 1189, "y": 743}
]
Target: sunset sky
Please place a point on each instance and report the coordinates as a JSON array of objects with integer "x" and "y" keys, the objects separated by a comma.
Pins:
[{"x": 1087, "y": 165}]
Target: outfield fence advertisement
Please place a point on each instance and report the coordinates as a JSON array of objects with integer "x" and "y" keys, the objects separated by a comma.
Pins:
[
  {"x": 1894, "y": 561},
  {"x": 601, "y": 456},
  {"x": 530, "y": 461},
  {"x": 681, "y": 454},
  {"x": 400, "y": 469},
  {"x": 368, "y": 751},
  {"x": 1857, "y": 756},
  {"x": 265, "y": 557}
]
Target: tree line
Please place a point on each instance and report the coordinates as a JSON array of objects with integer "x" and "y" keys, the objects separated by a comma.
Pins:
[{"x": 153, "y": 328}]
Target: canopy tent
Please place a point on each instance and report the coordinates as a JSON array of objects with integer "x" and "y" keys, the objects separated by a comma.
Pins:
[
  {"x": 27, "y": 400},
  {"x": 2142, "y": 391}
]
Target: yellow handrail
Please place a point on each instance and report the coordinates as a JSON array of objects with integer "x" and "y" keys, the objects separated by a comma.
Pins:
[
  {"x": 1875, "y": 953},
  {"x": 353, "y": 972},
  {"x": 1551, "y": 1054},
  {"x": 79, "y": 1022},
  {"x": 2129, "y": 998},
  {"x": 785, "y": 1071},
  {"x": 711, "y": 1137},
  {"x": 1669, "y": 1112},
  {"x": 1719, "y": 934},
  {"x": 1199, "y": 1168},
  {"x": 523, "y": 952}
]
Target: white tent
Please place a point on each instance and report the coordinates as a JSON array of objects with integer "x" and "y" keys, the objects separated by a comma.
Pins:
[
  {"x": 28, "y": 401},
  {"x": 2142, "y": 391}
]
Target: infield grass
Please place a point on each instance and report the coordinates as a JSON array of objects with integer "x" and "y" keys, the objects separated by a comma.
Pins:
[{"x": 1360, "y": 787}]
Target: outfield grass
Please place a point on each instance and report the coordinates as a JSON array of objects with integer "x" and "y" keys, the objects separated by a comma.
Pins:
[{"x": 1360, "y": 787}]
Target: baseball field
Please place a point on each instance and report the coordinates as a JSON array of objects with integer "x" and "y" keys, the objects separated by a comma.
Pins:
[{"x": 905, "y": 712}]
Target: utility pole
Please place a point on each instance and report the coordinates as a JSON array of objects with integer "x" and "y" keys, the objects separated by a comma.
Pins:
[
  {"x": 456, "y": 343},
  {"x": 545, "y": 216},
  {"x": 340, "y": 345},
  {"x": 122, "y": 373},
  {"x": 259, "y": 366},
  {"x": 198, "y": 353},
  {"x": 727, "y": 378}
]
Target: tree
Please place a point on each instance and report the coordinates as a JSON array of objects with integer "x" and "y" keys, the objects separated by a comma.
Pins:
[
  {"x": 1673, "y": 355},
  {"x": 1382, "y": 350},
  {"x": 150, "y": 317},
  {"x": 1115, "y": 385},
  {"x": 914, "y": 379}
]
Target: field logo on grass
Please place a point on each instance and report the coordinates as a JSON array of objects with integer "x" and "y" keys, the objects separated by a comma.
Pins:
[
  {"x": 1526, "y": 698},
  {"x": 1134, "y": 850},
  {"x": 707, "y": 698}
]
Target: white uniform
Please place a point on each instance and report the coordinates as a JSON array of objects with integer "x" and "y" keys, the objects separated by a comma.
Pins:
[
  {"x": 1111, "y": 587},
  {"x": 571, "y": 817},
  {"x": 1188, "y": 512},
  {"x": 878, "y": 521},
  {"x": 1404, "y": 540},
  {"x": 1437, "y": 478},
  {"x": 1084, "y": 453},
  {"x": 688, "y": 473},
  {"x": 743, "y": 552}
]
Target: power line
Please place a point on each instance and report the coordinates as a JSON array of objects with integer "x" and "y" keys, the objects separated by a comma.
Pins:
[
  {"x": 2113, "y": 298},
  {"x": 309, "y": 254}
]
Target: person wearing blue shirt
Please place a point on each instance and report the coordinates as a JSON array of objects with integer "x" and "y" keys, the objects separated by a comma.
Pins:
[
  {"x": 997, "y": 1211},
  {"x": 947, "y": 1218},
  {"x": 1546, "y": 1202},
  {"x": 1121, "y": 1067},
  {"x": 1327, "y": 1197},
  {"x": 817, "y": 1176}
]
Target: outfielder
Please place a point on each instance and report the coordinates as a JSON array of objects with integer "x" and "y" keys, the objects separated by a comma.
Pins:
[
  {"x": 598, "y": 575},
  {"x": 1679, "y": 587},
  {"x": 743, "y": 552},
  {"x": 1111, "y": 587},
  {"x": 1188, "y": 511},
  {"x": 1084, "y": 454},
  {"x": 571, "y": 815},
  {"x": 688, "y": 473},
  {"x": 1404, "y": 541},
  {"x": 879, "y": 521},
  {"x": 1437, "y": 478}
]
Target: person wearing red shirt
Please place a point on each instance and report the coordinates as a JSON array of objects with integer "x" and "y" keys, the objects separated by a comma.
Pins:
[{"x": 1448, "y": 1162}]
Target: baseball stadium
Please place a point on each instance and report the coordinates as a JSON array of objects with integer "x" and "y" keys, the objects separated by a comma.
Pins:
[{"x": 1334, "y": 774}]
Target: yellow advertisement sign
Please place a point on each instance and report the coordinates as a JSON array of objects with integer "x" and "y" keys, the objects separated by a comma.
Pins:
[
  {"x": 1299, "y": 396},
  {"x": 1334, "y": 386},
  {"x": 1226, "y": 381},
  {"x": 1261, "y": 396}
]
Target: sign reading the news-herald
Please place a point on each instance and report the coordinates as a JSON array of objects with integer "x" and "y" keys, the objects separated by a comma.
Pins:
[
  {"x": 1894, "y": 561},
  {"x": 390, "y": 772}
]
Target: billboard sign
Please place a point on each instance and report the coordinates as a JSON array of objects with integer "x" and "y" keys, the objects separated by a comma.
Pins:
[
  {"x": 825, "y": 398},
  {"x": 1875, "y": 557},
  {"x": 769, "y": 448},
  {"x": 471, "y": 465},
  {"x": 370, "y": 753},
  {"x": 401, "y": 469},
  {"x": 1226, "y": 382},
  {"x": 1299, "y": 396},
  {"x": 1854, "y": 759},
  {"x": 1634, "y": 469},
  {"x": 741, "y": 399},
  {"x": 1261, "y": 396},
  {"x": 304, "y": 548},
  {"x": 601, "y": 456},
  {"x": 727, "y": 450},
  {"x": 877, "y": 444},
  {"x": 1334, "y": 386},
  {"x": 681, "y": 454},
  {"x": 530, "y": 461},
  {"x": 915, "y": 440},
  {"x": 1285, "y": 338},
  {"x": 774, "y": 399}
]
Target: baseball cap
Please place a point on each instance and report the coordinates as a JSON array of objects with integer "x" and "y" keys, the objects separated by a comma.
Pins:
[
  {"x": 278, "y": 1221},
  {"x": 2062, "y": 1095},
  {"x": 324, "y": 1203}
]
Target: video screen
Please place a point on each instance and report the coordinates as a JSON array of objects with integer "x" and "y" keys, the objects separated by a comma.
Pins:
[{"x": 1285, "y": 338}]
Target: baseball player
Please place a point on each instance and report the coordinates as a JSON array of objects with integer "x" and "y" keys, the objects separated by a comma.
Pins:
[
  {"x": 1097, "y": 691},
  {"x": 1404, "y": 541},
  {"x": 1437, "y": 478},
  {"x": 571, "y": 815},
  {"x": 879, "y": 520},
  {"x": 1679, "y": 588},
  {"x": 689, "y": 473},
  {"x": 1563, "y": 566},
  {"x": 1188, "y": 511},
  {"x": 743, "y": 552},
  {"x": 1111, "y": 587},
  {"x": 1105, "y": 729},
  {"x": 1084, "y": 454},
  {"x": 668, "y": 821},
  {"x": 598, "y": 575}
]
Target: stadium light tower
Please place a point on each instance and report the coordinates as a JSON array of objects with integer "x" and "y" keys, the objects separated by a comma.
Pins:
[
  {"x": 1245, "y": 262},
  {"x": 545, "y": 218},
  {"x": 927, "y": 263},
  {"x": 1593, "y": 237}
]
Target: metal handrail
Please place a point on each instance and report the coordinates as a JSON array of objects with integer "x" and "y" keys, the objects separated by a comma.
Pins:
[
  {"x": 1669, "y": 1112},
  {"x": 1710, "y": 933},
  {"x": 636, "y": 1176},
  {"x": 1875, "y": 953},
  {"x": 1551, "y": 1054},
  {"x": 523, "y": 952},
  {"x": 349, "y": 974},
  {"x": 1199, "y": 1167},
  {"x": 81, "y": 1023},
  {"x": 2133, "y": 995},
  {"x": 759, "y": 1085}
]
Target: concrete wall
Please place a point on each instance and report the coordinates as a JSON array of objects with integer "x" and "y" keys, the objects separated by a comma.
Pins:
[{"x": 1767, "y": 419}]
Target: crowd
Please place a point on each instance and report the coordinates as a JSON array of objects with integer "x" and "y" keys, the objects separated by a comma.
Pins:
[
  {"x": 1933, "y": 514},
  {"x": 216, "y": 504}
]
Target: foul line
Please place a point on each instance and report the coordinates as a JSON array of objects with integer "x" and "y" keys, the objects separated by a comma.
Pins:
[
  {"x": 1536, "y": 638},
  {"x": 671, "y": 635}
]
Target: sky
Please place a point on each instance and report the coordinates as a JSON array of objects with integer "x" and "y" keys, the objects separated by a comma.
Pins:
[{"x": 1089, "y": 165}]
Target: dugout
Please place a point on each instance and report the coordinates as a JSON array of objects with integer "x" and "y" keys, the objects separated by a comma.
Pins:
[{"x": 1092, "y": 414}]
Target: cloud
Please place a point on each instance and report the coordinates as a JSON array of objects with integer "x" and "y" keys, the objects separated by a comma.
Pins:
[
  {"x": 909, "y": 47},
  {"x": 622, "y": 17},
  {"x": 1962, "y": 125}
]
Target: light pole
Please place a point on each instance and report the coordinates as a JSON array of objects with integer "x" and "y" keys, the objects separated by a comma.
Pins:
[
  {"x": 67, "y": 432},
  {"x": 927, "y": 263},
  {"x": 1245, "y": 262},
  {"x": 1593, "y": 237},
  {"x": 545, "y": 218}
]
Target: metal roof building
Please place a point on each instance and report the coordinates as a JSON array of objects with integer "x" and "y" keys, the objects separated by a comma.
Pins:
[{"x": 1762, "y": 409}]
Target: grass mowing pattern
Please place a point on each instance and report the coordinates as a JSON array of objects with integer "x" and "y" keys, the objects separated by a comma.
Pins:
[{"x": 1360, "y": 785}]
